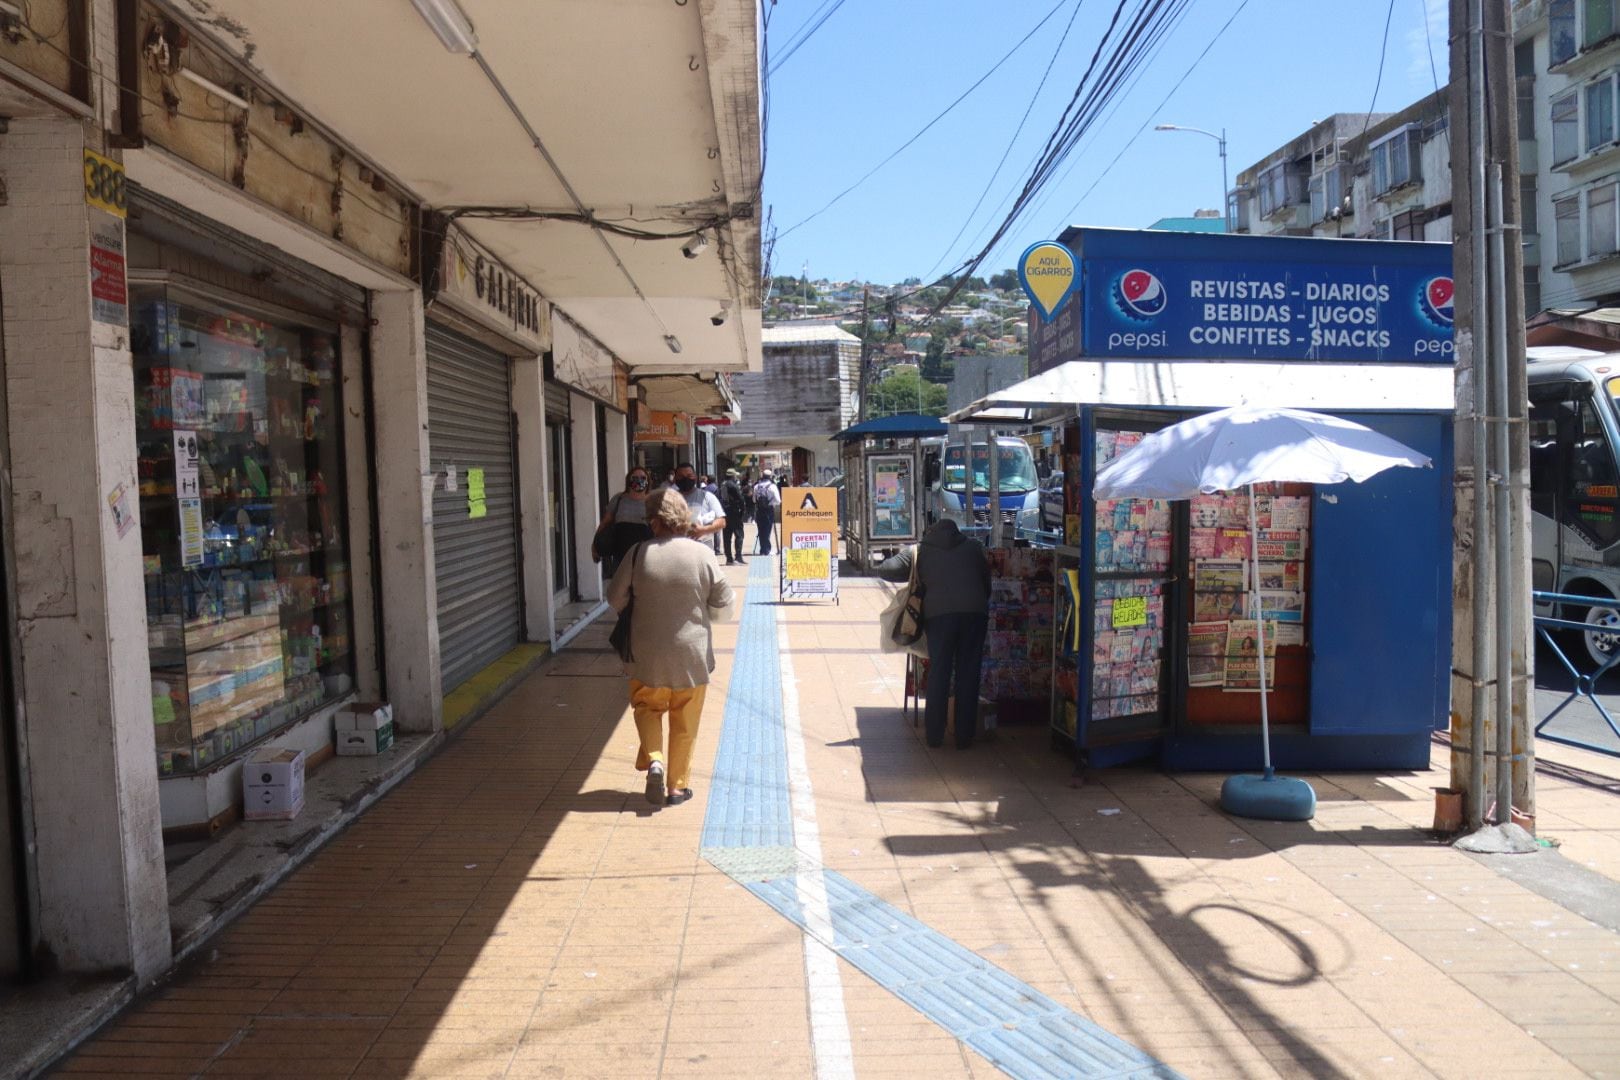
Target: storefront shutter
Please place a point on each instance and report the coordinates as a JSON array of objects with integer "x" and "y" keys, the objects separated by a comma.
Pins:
[{"x": 476, "y": 558}]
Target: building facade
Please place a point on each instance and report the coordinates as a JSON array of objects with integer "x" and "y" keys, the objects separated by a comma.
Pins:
[
  {"x": 304, "y": 404},
  {"x": 806, "y": 392}
]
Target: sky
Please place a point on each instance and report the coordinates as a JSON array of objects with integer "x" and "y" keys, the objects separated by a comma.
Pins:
[{"x": 877, "y": 71}]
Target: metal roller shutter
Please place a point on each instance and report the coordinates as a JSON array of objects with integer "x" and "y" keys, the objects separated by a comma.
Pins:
[{"x": 476, "y": 559}]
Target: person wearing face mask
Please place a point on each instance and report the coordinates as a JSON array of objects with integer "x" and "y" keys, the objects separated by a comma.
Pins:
[
  {"x": 708, "y": 516},
  {"x": 624, "y": 525}
]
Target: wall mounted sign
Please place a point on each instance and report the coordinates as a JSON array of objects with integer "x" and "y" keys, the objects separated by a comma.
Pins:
[
  {"x": 1049, "y": 274},
  {"x": 486, "y": 290}
]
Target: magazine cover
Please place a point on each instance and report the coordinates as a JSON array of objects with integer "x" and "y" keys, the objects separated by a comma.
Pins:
[
  {"x": 1282, "y": 606},
  {"x": 1220, "y": 575},
  {"x": 1206, "y": 654},
  {"x": 1288, "y": 544},
  {"x": 1290, "y": 633},
  {"x": 1201, "y": 543},
  {"x": 1233, "y": 544},
  {"x": 1212, "y": 607},
  {"x": 1243, "y": 653},
  {"x": 1206, "y": 512},
  {"x": 1289, "y": 512},
  {"x": 1280, "y": 576}
]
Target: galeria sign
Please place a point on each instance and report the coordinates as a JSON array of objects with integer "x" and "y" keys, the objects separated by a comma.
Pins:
[{"x": 809, "y": 543}]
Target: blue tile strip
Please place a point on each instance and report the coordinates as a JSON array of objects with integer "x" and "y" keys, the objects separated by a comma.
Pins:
[{"x": 748, "y": 834}]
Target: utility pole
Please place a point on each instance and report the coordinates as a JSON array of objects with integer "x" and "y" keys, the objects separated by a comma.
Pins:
[
  {"x": 1491, "y": 628},
  {"x": 866, "y": 333}
]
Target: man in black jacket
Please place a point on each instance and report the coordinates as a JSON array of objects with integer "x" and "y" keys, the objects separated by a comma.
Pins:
[
  {"x": 953, "y": 575},
  {"x": 733, "y": 503}
]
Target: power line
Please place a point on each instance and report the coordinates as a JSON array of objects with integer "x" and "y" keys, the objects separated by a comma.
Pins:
[
  {"x": 1010, "y": 142},
  {"x": 925, "y": 128},
  {"x": 805, "y": 33},
  {"x": 1383, "y": 53}
]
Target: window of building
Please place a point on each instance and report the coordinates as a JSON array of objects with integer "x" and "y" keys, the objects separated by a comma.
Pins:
[
  {"x": 1601, "y": 224},
  {"x": 1599, "y": 113},
  {"x": 1277, "y": 188},
  {"x": 1566, "y": 127},
  {"x": 1395, "y": 160},
  {"x": 1561, "y": 26},
  {"x": 1528, "y": 223},
  {"x": 238, "y": 422},
  {"x": 1567, "y": 223},
  {"x": 1407, "y": 226},
  {"x": 1237, "y": 210},
  {"x": 1532, "y": 289},
  {"x": 1597, "y": 19},
  {"x": 1327, "y": 192}
]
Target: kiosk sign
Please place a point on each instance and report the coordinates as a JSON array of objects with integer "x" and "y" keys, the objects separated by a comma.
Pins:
[
  {"x": 809, "y": 549},
  {"x": 1150, "y": 296}
]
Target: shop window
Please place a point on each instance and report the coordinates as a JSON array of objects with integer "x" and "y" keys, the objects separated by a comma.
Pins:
[
  {"x": 242, "y": 522},
  {"x": 1600, "y": 222},
  {"x": 1567, "y": 219},
  {"x": 1566, "y": 127},
  {"x": 1561, "y": 31},
  {"x": 1597, "y": 19},
  {"x": 1599, "y": 113}
]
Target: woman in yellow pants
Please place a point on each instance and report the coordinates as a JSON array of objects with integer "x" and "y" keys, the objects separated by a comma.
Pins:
[{"x": 676, "y": 588}]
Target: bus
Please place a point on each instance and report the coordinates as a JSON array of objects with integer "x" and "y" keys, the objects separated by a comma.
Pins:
[
  {"x": 948, "y": 481},
  {"x": 1575, "y": 487}
]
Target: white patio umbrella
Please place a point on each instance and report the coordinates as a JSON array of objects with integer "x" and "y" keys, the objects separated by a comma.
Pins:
[{"x": 1236, "y": 448}]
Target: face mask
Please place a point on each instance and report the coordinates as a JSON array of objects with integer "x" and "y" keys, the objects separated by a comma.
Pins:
[
  {"x": 638, "y": 483},
  {"x": 685, "y": 483}
]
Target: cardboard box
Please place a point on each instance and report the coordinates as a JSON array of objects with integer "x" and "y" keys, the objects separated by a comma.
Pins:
[
  {"x": 359, "y": 743},
  {"x": 365, "y": 716},
  {"x": 365, "y": 727},
  {"x": 273, "y": 784}
]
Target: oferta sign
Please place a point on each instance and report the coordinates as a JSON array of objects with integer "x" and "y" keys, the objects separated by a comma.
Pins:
[{"x": 1173, "y": 295}]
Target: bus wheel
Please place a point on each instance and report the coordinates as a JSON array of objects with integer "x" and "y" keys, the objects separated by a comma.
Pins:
[{"x": 1601, "y": 643}]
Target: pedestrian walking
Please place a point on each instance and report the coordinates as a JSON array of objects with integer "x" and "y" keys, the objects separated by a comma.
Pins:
[
  {"x": 677, "y": 589},
  {"x": 953, "y": 578},
  {"x": 767, "y": 497},
  {"x": 706, "y": 482},
  {"x": 707, "y": 516},
  {"x": 735, "y": 508},
  {"x": 624, "y": 523}
]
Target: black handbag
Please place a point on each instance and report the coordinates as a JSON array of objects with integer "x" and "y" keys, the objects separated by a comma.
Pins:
[{"x": 620, "y": 637}]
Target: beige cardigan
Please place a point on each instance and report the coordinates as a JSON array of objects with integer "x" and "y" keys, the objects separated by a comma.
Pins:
[{"x": 678, "y": 588}]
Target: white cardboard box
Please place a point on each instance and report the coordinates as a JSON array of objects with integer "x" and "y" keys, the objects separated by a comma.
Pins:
[
  {"x": 358, "y": 743},
  {"x": 365, "y": 716},
  {"x": 273, "y": 784}
]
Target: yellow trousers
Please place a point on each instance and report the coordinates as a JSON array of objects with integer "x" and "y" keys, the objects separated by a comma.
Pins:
[{"x": 685, "y": 709}]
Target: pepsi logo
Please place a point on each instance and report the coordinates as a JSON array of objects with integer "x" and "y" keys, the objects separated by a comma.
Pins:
[
  {"x": 1436, "y": 300},
  {"x": 1140, "y": 294}
]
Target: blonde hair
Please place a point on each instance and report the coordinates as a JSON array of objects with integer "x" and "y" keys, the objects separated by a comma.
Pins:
[{"x": 667, "y": 509}]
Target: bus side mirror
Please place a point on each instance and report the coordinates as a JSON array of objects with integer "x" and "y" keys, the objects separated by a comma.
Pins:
[{"x": 931, "y": 472}]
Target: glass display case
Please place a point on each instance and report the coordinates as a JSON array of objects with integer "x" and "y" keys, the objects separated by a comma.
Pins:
[{"x": 238, "y": 417}]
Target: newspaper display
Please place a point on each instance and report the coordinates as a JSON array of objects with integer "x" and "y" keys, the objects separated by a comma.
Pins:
[{"x": 1231, "y": 590}]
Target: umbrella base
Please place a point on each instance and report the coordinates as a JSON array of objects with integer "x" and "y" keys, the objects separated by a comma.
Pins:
[{"x": 1268, "y": 798}]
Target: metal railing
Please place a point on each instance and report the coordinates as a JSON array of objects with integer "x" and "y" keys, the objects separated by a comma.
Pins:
[{"x": 1585, "y": 683}]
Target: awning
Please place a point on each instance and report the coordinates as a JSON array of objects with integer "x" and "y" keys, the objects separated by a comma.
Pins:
[
  {"x": 1195, "y": 384},
  {"x": 898, "y": 426},
  {"x": 699, "y": 395}
]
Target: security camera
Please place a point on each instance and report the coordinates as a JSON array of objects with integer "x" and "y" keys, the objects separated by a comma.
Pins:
[
  {"x": 695, "y": 246},
  {"x": 719, "y": 318}
]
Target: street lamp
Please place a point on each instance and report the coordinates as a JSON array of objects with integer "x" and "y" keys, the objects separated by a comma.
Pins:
[{"x": 1226, "y": 210}]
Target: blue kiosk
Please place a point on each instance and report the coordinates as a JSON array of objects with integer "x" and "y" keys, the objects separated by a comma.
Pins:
[{"x": 1153, "y": 655}]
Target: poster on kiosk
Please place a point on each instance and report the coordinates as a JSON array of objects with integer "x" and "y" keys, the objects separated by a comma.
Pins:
[{"x": 809, "y": 569}]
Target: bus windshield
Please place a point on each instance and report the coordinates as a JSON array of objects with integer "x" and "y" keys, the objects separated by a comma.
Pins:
[{"x": 1017, "y": 468}]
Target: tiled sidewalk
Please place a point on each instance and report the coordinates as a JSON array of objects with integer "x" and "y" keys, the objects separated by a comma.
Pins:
[{"x": 516, "y": 909}]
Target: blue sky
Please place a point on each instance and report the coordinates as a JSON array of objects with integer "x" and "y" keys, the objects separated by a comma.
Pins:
[{"x": 878, "y": 70}]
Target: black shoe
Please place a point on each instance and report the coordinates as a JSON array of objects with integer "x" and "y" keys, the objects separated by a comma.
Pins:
[
  {"x": 678, "y": 797},
  {"x": 655, "y": 783}
]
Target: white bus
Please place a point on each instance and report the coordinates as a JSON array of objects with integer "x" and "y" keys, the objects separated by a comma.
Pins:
[
  {"x": 948, "y": 481},
  {"x": 1575, "y": 486}
]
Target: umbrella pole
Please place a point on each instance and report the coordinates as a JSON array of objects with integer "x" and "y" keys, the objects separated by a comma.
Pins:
[{"x": 1259, "y": 630}]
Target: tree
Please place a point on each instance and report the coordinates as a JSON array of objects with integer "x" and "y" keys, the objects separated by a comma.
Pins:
[
  {"x": 1006, "y": 281},
  {"x": 936, "y": 366},
  {"x": 904, "y": 392},
  {"x": 792, "y": 288}
]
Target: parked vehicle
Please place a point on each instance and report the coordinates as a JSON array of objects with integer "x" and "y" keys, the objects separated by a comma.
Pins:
[
  {"x": 1575, "y": 486},
  {"x": 1042, "y": 523},
  {"x": 948, "y": 482}
]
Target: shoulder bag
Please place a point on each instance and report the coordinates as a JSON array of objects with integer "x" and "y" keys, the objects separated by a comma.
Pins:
[
  {"x": 620, "y": 637},
  {"x": 602, "y": 542},
  {"x": 907, "y": 627}
]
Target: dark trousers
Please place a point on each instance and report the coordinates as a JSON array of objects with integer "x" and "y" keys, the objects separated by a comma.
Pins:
[
  {"x": 765, "y": 518},
  {"x": 734, "y": 536},
  {"x": 955, "y": 645}
]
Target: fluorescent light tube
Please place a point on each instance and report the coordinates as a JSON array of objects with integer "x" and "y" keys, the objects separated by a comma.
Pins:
[
  {"x": 449, "y": 24},
  {"x": 214, "y": 88}
]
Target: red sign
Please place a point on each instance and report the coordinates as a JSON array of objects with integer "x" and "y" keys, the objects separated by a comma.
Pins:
[{"x": 107, "y": 275}]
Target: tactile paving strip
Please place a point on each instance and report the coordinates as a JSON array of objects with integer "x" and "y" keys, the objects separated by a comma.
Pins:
[{"x": 748, "y": 835}]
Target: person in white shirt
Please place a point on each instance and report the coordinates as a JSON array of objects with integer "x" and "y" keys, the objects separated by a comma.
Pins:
[
  {"x": 708, "y": 517},
  {"x": 767, "y": 497}
]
